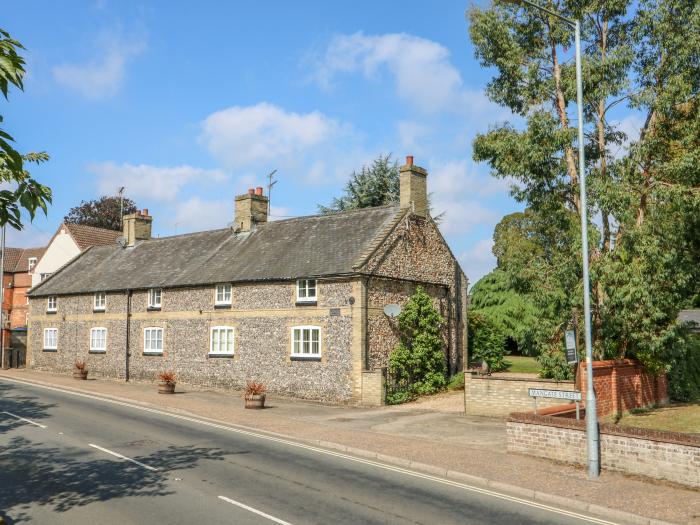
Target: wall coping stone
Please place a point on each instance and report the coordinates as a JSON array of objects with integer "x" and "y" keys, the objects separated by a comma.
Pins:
[
  {"x": 474, "y": 375},
  {"x": 679, "y": 438}
]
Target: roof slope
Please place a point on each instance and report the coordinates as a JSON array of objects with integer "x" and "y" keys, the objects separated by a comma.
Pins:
[
  {"x": 86, "y": 236},
  {"x": 17, "y": 259},
  {"x": 304, "y": 247}
]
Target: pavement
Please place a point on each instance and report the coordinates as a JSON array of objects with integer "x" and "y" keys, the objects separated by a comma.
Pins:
[{"x": 444, "y": 445}]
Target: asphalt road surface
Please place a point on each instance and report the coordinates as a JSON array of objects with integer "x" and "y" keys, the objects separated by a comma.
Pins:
[{"x": 74, "y": 459}]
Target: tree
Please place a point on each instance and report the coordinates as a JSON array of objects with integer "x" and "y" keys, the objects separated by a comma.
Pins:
[
  {"x": 105, "y": 212},
  {"x": 25, "y": 192},
  {"x": 643, "y": 55},
  {"x": 418, "y": 365},
  {"x": 374, "y": 185}
]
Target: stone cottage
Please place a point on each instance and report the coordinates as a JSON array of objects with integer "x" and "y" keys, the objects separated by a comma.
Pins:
[{"x": 297, "y": 304}]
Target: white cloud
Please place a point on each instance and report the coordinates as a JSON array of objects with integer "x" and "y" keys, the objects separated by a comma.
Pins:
[
  {"x": 424, "y": 75},
  {"x": 412, "y": 136},
  {"x": 240, "y": 136},
  {"x": 631, "y": 126},
  {"x": 152, "y": 183},
  {"x": 196, "y": 214},
  {"x": 103, "y": 76},
  {"x": 478, "y": 260}
]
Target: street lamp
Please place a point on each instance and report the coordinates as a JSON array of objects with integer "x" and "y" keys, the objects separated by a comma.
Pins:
[{"x": 592, "y": 436}]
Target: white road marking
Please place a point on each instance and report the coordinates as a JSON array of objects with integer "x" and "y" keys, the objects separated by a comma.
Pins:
[
  {"x": 118, "y": 455},
  {"x": 327, "y": 452},
  {"x": 25, "y": 419},
  {"x": 255, "y": 511}
]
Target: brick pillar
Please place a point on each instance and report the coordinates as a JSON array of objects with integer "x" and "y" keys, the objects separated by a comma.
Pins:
[{"x": 615, "y": 392}]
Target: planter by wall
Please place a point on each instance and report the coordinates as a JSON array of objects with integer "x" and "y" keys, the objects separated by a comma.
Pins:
[
  {"x": 80, "y": 374},
  {"x": 255, "y": 401},
  {"x": 166, "y": 388}
]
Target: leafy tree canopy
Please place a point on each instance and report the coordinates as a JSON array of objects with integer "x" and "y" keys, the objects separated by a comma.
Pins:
[
  {"x": 25, "y": 192},
  {"x": 105, "y": 212}
]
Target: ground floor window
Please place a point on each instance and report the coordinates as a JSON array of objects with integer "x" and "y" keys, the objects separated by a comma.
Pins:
[
  {"x": 221, "y": 340},
  {"x": 98, "y": 340},
  {"x": 306, "y": 341},
  {"x": 50, "y": 338},
  {"x": 153, "y": 340}
]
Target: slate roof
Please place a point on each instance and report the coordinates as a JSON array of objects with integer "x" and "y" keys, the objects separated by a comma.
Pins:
[
  {"x": 314, "y": 246},
  {"x": 17, "y": 259},
  {"x": 87, "y": 236},
  {"x": 690, "y": 316}
]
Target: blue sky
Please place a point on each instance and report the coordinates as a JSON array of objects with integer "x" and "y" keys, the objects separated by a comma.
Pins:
[{"x": 188, "y": 105}]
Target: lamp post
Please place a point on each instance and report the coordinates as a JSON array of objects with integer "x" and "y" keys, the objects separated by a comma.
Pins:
[{"x": 592, "y": 436}]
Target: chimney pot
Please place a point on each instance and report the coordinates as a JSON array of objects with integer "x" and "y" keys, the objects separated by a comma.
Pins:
[
  {"x": 251, "y": 191},
  {"x": 409, "y": 160},
  {"x": 259, "y": 190},
  {"x": 145, "y": 212}
]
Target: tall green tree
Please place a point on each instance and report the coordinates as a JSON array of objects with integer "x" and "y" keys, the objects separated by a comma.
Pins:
[
  {"x": 374, "y": 185},
  {"x": 105, "y": 212},
  {"x": 24, "y": 192},
  {"x": 644, "y": 253}
]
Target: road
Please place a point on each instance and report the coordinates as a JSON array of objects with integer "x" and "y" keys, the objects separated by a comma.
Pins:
[{"x": 73, "y": 459}]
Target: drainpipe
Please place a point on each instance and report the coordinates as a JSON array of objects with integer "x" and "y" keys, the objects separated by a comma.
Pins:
[
  {"x": 128, "y": 331},
  {"x": 366, "y": 308}
]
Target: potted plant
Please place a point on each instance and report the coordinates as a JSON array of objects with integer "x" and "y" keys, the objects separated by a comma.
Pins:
[
  {"x": 80, "y": 371},
  {"x": 255, "y": 394},
  {"x": 167, "y": 383}
]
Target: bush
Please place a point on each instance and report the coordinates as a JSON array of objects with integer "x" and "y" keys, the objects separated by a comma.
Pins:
[
  {"x": 553, "y": 364},
  {"x": 684, "y": 373},
  {"x": 487, "y": 342},
  {"x": 456, "y": 382},
  {"x": 418, "y": 366}
]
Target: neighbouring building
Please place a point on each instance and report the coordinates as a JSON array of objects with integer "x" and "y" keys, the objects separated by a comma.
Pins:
[
  {"x": 19, "y": 263},
  {"x": 69, "y": 241},
  {"x": 692, "y": 318},
  {"x": 297, "y": 304}
]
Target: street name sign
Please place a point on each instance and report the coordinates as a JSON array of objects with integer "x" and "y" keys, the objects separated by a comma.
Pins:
[{"x": 554, "y": 394}]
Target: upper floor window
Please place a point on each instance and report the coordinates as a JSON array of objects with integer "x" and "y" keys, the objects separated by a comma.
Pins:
[
  {"x": 221, "y": 340},
  {"x": 154, "y": 297},
  {"x": 153, "y": 341},
  {"x": 98, "y": 339},
  {"x": 32, "y": 263},
  {"x": 223, "y": 294},
  {"x": 51, "y": 303},
  {"x": 306, "y": 341},
  {"x": 50, "y": 338},
  {"x": 306, "y": 290},
  {"x": 100, "y": 301}
]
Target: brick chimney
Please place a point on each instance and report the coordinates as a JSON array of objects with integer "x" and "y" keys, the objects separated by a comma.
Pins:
[
  {"x": 251, "y": 209},
  {"x": 137, "y": 227},
  {"x": 413, "y": 188}
]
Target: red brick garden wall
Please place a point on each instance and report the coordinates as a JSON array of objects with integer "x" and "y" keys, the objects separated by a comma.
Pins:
[{"x": 623, "y": 385}]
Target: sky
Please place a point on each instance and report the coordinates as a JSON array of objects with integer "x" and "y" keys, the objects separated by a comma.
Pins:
[{"x": 188, "y": 104}]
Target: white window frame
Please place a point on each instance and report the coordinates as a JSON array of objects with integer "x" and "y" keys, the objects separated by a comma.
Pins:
[
  {"x": 94, "y": 348},
  {"x": 303, "y": 291},
  {"x": 227, "y": 330},
  {"x": 49, "y": 346},
  {"x": 51, "y": 303},
  {"x": 151, "y": 297},
  {"x": 97, "y": 304},
  {"x": 223, "y": 301},
  {"x": 32, "y": 263},
  {"x": 147, "y": 339},
  {"x": 300, "y": 353}
]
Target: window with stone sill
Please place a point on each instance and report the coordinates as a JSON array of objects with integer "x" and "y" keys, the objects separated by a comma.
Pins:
[
  {"x": 223, "y": 295},
  {"x": 100, "y": 301},
  {"x": 306, "y": 342},
  {"x": 153, "y": 340},
  {"x": 98, "y": 339},
  {"x": 306, "y": 290},
  {"x": 155, "y": 296},
  {"x": 51, "y": 303},
  {"x": 50, "y": 338},
  {"x": 221, "y": 341}
]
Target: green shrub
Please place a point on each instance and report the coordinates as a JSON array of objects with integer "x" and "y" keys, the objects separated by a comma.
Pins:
[
  {"x": 553, "y": 364},
  {"x": 486, "y": 342},
  {"x": 418, "y": 365},
  {"x": 684, "y": 373},
  {"x": 456, "y": 382}
]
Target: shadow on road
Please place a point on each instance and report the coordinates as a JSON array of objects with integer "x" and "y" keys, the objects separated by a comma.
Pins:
[
  {"x": 35, "y": 474},
  {"x": 14, "y": 401}
]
